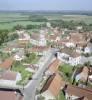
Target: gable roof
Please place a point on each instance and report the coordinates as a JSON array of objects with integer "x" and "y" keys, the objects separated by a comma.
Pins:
[
  {"x": 76, "y": 37},
  {"x": 35, "y": 36},
  {"x": 38, "y": 49},
  {"x": 79, "y": 92},
  {"x": 9, "y": 75},
  {"x": 10, "y": 95},
  {"x": 53, "y": 67},
  {"x": 7, "y": 63},
  {"x": 53, "y": 84},
  {"x": 71, "y": 52}
]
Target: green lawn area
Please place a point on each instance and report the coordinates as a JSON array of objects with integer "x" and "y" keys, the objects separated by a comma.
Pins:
[
  {"x": 66, "y": 68},
  {"x": 35, "y": 60},
  {"x": 67, "y": 71},
  {"x": 4, "y": 56},
  {"x": 61, "y": 96},
  {"x": 18, "y": 67},
  {"x": 31, "y": 58}
]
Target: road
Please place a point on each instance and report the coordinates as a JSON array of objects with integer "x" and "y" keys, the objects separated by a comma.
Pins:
[{"x": 30, "y": 88}]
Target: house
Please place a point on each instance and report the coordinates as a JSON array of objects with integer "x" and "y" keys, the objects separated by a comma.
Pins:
[
  {"x": 7, "y": 64},
  {"x": 53, "y": 67},
  {"x": 88, "y": 48},
  {"x": 61, "y": 43},
  {"x": 75, "y": 39},
  {"x": 69, "y": 55},
  {"x": 10, "y": 78},
  {"x": 38, "y": 39},
  {"x": 52, "y": 87},
  {"x": 77, "y": 93},
  {"x": 55, "y": 37},
  {"x": 8, "y": 50},
  {"x": 83, "y": 75},
  {"x": 19, "y": 55},
  {"x": 23, "y": 35},
  {"x": 10, "y": 95},
  {"x": 39, "y": 50},
  {"x": 24, "y": 38},
  {"x": 23, "y": 43}
]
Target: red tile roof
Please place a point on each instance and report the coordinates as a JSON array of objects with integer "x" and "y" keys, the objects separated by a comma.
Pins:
[
  {"x": 10, "y": 95},
  {"x": 7, "y": 63},
  {"x": 53, "y": 84},
  {"x": 38, "y": 49},
  {"x": 53, "y": 67},
  {"x": 9, "y": 75},
  {"x": 79, "y": 92}
]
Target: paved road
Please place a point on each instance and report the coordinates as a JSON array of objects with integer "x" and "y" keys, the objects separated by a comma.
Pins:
[{"x": 30, "y": 89}]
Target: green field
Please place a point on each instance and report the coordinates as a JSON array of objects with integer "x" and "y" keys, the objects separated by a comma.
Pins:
[
  {"x": 10, "y": 25},
  {"x": 9, "y": 20},
  {"x": 78, "y": 18}
]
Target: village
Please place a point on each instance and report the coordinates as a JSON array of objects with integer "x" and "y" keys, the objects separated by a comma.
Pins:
[{"x": 64, "y": 75}]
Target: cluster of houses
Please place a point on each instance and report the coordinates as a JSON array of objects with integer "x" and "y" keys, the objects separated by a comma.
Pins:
[
  {"x": 73, "y": 48},
  {"x": 8, "y": 77},
  {"x": 53, "y": 81}
]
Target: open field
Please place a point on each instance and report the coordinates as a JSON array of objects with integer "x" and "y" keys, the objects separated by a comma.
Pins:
[
  {"x": 9, "y": 20},
  {"x": 85, "y": 18},
  {"x": 10, "y": 25}
]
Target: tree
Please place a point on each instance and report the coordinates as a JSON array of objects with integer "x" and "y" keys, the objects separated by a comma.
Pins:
[
  {"x": 18, "y": 27},
  {"x": 30, "y": 57},
  {"x": 13, "y": 36},
  {"x": 3, "y": 36}
]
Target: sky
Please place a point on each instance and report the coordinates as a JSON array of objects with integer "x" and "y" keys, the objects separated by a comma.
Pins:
[{"x": 46, "y": 5}]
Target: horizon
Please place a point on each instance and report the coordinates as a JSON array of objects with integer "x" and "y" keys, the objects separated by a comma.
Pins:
[{"x": 46, "y": 5}]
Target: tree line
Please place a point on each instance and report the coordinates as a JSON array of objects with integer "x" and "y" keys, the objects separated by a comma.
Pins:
[{"x": 5, "y": 36}]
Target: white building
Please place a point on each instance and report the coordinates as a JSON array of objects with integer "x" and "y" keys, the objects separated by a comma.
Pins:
[
  {"x": 23, "y": 35},
  {"x": 19, "y": 55},
  {"x": 69, "y": 56},
  {"x": 88, "y": 48},
  {"x": 38, "y": 40}
]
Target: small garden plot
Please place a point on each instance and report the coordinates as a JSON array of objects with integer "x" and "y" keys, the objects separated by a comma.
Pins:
[
  {"x": 67, "y": 71},
  {"x": 26, "y": 75}
]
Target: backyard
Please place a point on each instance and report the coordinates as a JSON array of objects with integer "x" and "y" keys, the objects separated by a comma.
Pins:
[
  {"x": 26, "y": 75},
  {"x": 61, "y": 96},
  {"x": 67, "y": 71}
]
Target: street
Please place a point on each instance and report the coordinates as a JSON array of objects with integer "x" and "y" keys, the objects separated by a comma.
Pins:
[{"x": 30, "y": 88}]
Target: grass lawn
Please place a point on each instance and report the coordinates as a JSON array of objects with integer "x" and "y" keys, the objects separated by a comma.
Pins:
[
  {"x": 31, "y": 58},
  {"x": 66, "y": 68},
  {"x": 4, "y": 56},
  {"x": 35, "y": 60},
  {"x": 61, "y": 96},
  {"x": 18, "y": 67},
  {"x": 67, "y": 71}
]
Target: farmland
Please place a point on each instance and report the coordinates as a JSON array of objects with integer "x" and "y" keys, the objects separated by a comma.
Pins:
[
  {"x": 9, "y": 20},
  {"x": 78, "y": 18}
]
